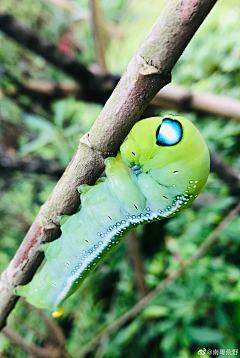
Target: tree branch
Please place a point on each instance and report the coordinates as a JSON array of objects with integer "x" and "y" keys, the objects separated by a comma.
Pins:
[
  {"x": 135, "y": 254},
  {"x": 170, "y": 97},
  {"x": 30, "y": 348},
  {"x": 210, "y": 240},
  {"x": 95, "y": 86},
  {"x": 184, "y": 100},
  {"x": 226, "y": 173},
  {"x": 98, "y": 34},
  {"x": 55, "y": 332},
  {"x": 8, "y": 165},
  {"x": 148, "y": 71}
]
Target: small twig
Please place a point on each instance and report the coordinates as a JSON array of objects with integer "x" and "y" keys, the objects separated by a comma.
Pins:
[
  {"x": 170, "y": 97},
  {"x": 8, "y": 165},
  {"x": 98, "y": 87},
  {"x": 21, "y": 321},
  {"x": 210, "y": 240},
  {"x": 98, "y": 34},
  {"x": 230, "y": 176},
  {"x": 134, "y": 250},
  {"x": 56, "y": 333},
  {"x": 50, "y": 52},
  {"x": 30, "y": 348},
  {"x": 184, "y": 100},
  {"x": 102, "y": 344}
]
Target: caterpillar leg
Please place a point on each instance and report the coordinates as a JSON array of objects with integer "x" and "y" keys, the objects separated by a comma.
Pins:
[
  {"x": 122, "y": 187},
  {"x": 43, "y": 247},
  {"x": 56, "y": 314}
]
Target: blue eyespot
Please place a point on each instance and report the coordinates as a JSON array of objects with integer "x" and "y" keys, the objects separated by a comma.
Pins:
[{"x": 169, "y": 132}]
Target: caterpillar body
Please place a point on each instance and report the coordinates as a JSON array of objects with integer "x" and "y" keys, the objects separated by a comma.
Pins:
[{"x": 160, "y": 169}]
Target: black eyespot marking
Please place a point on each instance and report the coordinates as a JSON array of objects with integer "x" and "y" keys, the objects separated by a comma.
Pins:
[
  {"x": 133, "y": 153},
  {"x": 86, "y": 241},
  {"x": 109, "y": 217},
  {"x": 169, "y": 132},
  {"x": 165, "y": 197},
  {"x": 175, "y": 171},
  {"x": 135, "y": 206}
]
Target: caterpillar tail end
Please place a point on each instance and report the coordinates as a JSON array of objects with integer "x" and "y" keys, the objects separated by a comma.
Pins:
[{"x": 56, "y": 314}]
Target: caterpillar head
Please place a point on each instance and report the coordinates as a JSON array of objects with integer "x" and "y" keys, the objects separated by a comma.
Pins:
[{"x": 170, "y": 149}]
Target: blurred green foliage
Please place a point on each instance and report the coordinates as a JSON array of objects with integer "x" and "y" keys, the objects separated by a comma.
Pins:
[{"x": 202, "y": 308}]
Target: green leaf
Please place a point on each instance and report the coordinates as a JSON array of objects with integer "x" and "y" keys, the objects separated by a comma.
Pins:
[
  {"x": 39, "y": 123},
  {"x": 155, "y": 312},
  {"x": 169, "y": 340},
  {"x": 205, "y": 335},
  {"x": 36, "y": 144},
  {"x": 74, "y": 129},
  {"x": 59, "y": 116},
  {"x": 126, "y": 334}
]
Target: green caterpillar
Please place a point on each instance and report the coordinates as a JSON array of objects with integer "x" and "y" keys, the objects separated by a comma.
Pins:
[{"x": 160, "y": 169}]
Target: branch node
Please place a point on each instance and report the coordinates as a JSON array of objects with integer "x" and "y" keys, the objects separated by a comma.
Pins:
[
  {"x": 85, "y": 140},
  {"x": 146, "y": 67},
  {"x": 5, "y": 282},
  {"x": 48, "y": 223}
]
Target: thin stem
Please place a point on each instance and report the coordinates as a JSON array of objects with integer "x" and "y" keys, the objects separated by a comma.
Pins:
[
  {"x": 98, "y": 34},
  {"x": 135, "y": 254}
]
